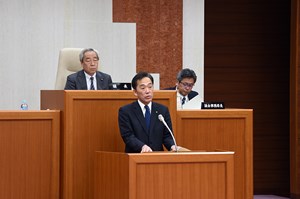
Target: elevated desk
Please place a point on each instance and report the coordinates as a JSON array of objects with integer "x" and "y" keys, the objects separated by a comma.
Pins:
[
  {"x": 90, "y": 123},
  {"x": 228, "y": 129},
  {"x": 29, "y": 154},
  {"x": 205, "y": 175}
]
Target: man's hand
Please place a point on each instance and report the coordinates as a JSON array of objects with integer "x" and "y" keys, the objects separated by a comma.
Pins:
[
  {"x": 173, "y": 148},
  {"x": 146, "y": 149}
]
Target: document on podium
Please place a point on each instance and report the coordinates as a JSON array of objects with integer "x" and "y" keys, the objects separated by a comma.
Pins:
[
  {"x": 194, "y": 103},
  {"x": 182, "y": 149}
]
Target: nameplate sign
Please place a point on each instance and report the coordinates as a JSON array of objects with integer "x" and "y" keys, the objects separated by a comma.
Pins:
[{"x": 212, "y": 105}]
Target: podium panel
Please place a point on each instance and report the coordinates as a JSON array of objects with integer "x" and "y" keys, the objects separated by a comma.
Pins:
[
  {"x": 90, "y": 123},
  {"x": 29, "y": 154},
  {"x": 205, "y": 175},
  {"x": 228, "y": 129}
]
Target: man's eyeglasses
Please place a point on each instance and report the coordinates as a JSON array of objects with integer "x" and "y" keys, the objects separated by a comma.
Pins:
[{"x": 187, "y": 85}]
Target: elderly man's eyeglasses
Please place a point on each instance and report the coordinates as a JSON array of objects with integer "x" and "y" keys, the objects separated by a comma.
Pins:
[{"x": 187, "y": 85}]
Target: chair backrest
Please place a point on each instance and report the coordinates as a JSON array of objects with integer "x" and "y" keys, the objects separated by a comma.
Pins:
[{"x": 68, "y": 63}]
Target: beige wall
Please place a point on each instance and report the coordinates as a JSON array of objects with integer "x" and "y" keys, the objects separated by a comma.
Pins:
[{"x": 33, "y": 33}]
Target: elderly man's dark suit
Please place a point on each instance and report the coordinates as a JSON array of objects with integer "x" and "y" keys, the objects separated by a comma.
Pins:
[
  {"x": 77, "y": 81},
  {"x": 134, "y": 132}
]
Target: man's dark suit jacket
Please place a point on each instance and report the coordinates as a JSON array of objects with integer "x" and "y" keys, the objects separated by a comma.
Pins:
[
  {"x": 134, "y": 132},
  {"x": 191, "y": 95},
  {"x": 77, "y": 81}
]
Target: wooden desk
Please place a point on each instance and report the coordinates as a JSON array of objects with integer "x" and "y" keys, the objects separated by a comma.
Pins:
[
  {"x": 207, "y": 175},
  {"x": 29, "y": 154},
  {"x": 89, "y": 124},
  {"x": 228, "y": 129}
]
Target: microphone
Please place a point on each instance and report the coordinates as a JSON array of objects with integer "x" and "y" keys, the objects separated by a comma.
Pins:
[{"x": 162, "y": 119}]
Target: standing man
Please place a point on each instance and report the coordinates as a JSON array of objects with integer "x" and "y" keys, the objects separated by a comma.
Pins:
[
  {"x": 186, "y": 80},
  {"x": 89, "y": 78},
  {"x": 139, "y": 125}
]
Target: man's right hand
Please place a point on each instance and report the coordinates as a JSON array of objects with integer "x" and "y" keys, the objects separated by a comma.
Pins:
[{"x": 146, "y": 149}]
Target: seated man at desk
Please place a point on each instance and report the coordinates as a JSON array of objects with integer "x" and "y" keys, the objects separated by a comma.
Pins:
[
  {"x": 89, "y": 78},
  {"x": 186, "y": 79},
  {"x": 139, "y": 125}
]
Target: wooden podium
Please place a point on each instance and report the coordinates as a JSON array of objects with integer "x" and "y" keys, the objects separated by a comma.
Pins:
[
  {"x": 29, "y": 154},
  {"x": 89, "y": 123},
  {"x": 203, "y": 175}
]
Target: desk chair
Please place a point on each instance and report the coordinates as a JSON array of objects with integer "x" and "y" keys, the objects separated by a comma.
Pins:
[{"x": 68, "y": 63}]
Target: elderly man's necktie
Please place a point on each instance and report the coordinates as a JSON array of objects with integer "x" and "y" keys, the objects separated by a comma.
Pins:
[{"x": 92, "y": 83}]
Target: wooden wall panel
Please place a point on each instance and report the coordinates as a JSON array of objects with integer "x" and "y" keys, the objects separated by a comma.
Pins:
[
  {"x": 246, "y": 57},
  {"x": 29, "y": 154},
  {"x": 230, "y": 130},
  {"x": 159, "y": 35},
  {"x": 294, "y": 101}
]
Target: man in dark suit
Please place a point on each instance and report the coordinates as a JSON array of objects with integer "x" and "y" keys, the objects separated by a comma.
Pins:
[
  {"x": 89, "y": 78},
  {"x": 140, "y": 137},
  {"x": 186, "y": 79}
]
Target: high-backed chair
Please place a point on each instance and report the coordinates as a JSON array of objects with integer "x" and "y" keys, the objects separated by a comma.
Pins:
[{"x": 68, "y": 63}]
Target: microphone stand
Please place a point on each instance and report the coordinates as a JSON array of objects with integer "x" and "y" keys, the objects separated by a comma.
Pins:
[{"x": 162, "y": 119}]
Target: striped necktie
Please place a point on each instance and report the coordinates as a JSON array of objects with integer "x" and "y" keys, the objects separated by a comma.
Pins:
[{"x": 92, "y": 83}]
